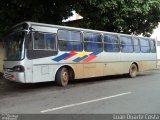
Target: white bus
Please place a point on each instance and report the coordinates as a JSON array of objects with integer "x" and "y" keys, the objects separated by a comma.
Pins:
[
  {"x": 37, "y": 52},
  {"x": 158, "y": 53}
]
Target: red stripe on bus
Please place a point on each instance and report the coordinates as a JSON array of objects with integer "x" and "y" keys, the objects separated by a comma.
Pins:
[
  {"x": 71, "y": 55},
  {"x": 89, "y": 58}
]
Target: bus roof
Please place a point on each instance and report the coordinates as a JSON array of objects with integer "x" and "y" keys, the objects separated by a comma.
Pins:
[{"x": 75, "y": 28}]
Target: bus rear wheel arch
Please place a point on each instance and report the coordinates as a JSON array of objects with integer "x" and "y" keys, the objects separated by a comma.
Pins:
[
  {"x": 133, "y": 70},
  {"x": 64, "y": 75}
]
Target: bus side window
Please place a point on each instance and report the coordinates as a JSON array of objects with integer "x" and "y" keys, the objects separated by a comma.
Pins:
[
  {"x": 136, "y": 45},
  {"x": 126, "y": 44},
  {"x": 153, "y": 46},
  {"x": 111, "y": 43},
  {"x": 50, "y": 40},
  {"x": 144, "y": 43},
  {"x": 44, "y": 41},
  {"x": 69, "y": 40},
  {"x": 92, "y": 42},
  {"x": 39, "y": 42}
]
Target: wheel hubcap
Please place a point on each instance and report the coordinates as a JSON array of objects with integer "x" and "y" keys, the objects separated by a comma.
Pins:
[
  {"x": 133, "y": 70},
  {"x": 65, "y": 76}
]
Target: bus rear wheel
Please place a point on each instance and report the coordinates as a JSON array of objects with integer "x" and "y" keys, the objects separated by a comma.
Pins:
[
  {"x": 133, "y": 71},
  {"x": 62, "y": 77}
]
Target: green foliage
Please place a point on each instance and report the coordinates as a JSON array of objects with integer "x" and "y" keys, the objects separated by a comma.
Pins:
[
  {"x": 46, "y": 11},
  {"x": 125, "y": 16}
]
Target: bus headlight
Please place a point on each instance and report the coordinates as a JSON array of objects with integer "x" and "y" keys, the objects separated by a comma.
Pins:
[{"x": 18, "y": 68}]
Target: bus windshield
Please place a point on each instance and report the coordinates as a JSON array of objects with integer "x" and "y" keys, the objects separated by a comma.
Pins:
[{"x": 14, "y": 44}]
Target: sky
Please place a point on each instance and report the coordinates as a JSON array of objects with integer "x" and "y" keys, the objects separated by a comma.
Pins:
[
  {"x": 156, "y": 33},
  {"x": 73, "y": 17}
]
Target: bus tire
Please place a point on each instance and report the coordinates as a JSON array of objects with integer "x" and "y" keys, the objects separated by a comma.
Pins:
[
  {"x": 62, "y": 77},
  {"x": 133, "y": 71}
]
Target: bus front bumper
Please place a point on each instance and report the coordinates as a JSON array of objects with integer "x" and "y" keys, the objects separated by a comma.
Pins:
[{"x": 13, "y": 76}]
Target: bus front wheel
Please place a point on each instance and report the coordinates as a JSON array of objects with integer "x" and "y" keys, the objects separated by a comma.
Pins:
[
  {"x": 62, "y": 76},
  {"x": 133, "y": 70}
]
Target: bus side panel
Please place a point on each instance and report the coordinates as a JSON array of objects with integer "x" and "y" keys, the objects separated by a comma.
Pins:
[
  {"x": 86, "y": 70},
  {"x": 43, "y": 70},
  {"x": 79, "y": 71},
  {"x": 41, "y": 73},
  {"x": 100, "y": 69},
  {"x": 92, "y": 70},
  {"x": 112, "y": 68},
  {"x": 127, "y": 59},
  {"x": 46, "y": 69},
  {"x": 148, "y": 61},
  {"x": 112, "y": 64},
  {"x": 28, "y": 71},
  {"x": 145, "y": 61},
  {"x": 89, "y": 69}
]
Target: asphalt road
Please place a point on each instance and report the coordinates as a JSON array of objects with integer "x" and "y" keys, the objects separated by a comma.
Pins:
[{"x": 113, "y": 94}]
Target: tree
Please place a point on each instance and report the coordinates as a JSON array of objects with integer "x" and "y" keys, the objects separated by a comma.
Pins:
[
  {"x": 125, "y": 16},
  {"x": 47, "y": 11}
]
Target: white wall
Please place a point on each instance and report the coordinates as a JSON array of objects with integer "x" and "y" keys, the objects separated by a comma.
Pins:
[{"x": 156, "y": 35}]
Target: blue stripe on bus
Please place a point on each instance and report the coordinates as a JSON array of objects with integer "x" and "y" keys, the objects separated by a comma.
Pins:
[
  {"x": 61, "y": 57},
  {"x": 80, "y": 58}
]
